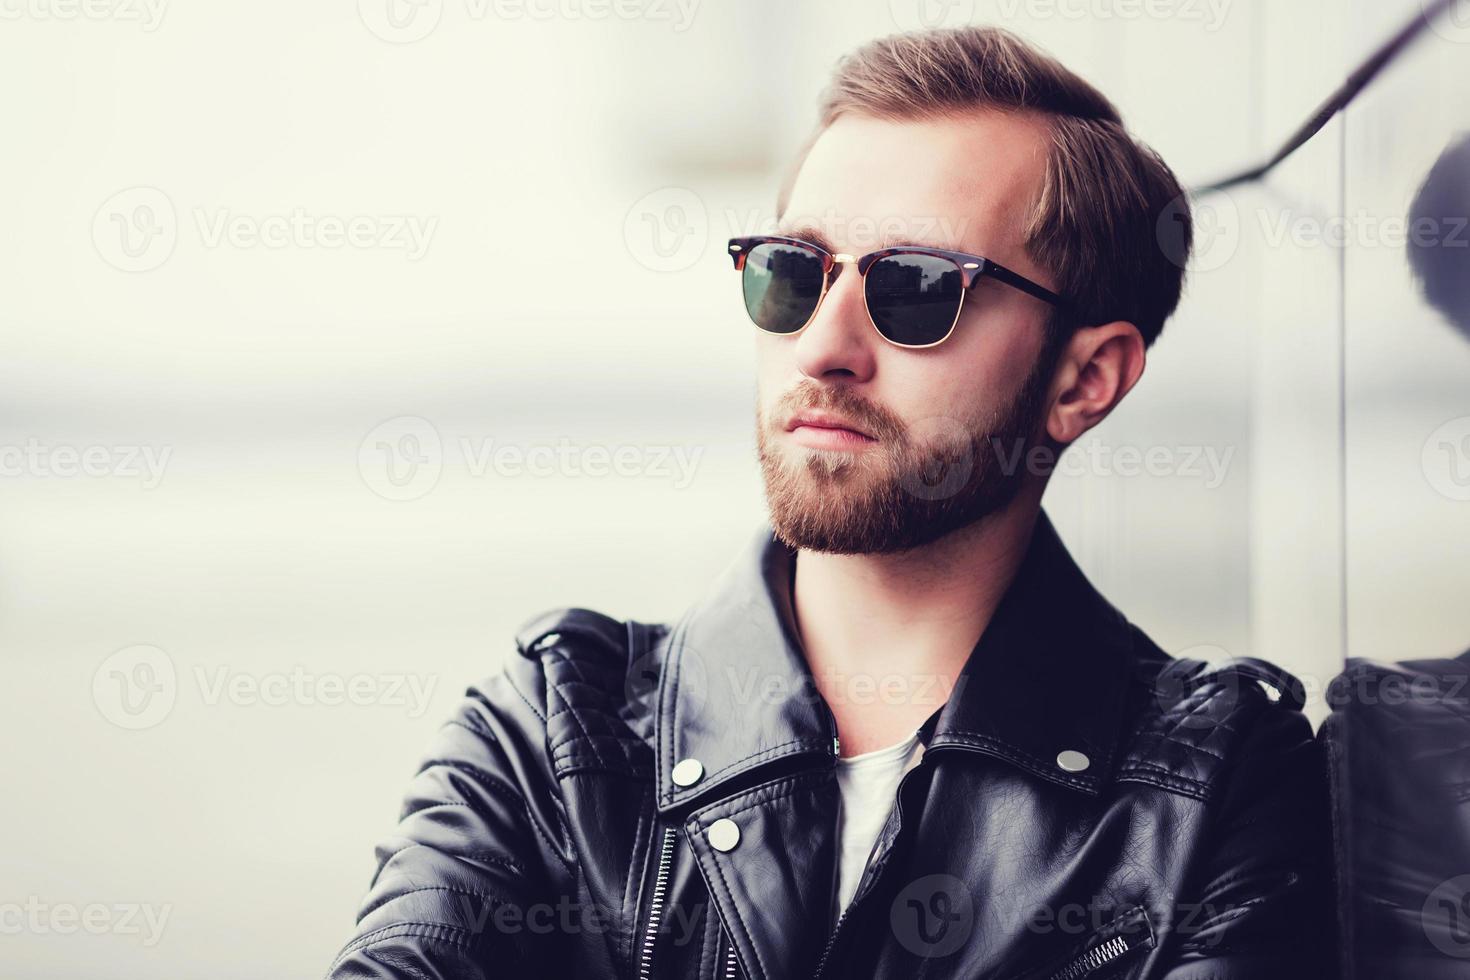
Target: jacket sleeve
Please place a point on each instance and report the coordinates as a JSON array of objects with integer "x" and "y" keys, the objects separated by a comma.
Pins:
[
  {"x": 1399, "y": 742},
  {"x": 464, "y": 888},
  {"x": 1261, "y": 906}
]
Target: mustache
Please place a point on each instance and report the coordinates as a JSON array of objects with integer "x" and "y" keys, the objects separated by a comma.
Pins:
[{"x": 878, "y": 421}]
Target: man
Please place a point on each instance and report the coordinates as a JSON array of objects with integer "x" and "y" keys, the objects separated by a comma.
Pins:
[{"x": 903, "y": 736}]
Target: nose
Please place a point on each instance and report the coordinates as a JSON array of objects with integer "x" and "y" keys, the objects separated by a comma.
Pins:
[{"x": 838, "y": 343}]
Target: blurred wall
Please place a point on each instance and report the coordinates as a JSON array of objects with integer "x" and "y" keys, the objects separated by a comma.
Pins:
[{"x": 339, "y": 339}]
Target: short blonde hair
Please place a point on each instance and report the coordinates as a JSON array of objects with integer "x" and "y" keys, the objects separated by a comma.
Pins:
[{"x": 1096, "y": 225}]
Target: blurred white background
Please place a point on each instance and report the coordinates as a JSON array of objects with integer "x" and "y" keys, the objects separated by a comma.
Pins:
[{"x": 321, "y": 320}]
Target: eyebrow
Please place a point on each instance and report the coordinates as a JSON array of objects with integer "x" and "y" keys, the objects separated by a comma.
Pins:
[{"x": 811, "y": 233}]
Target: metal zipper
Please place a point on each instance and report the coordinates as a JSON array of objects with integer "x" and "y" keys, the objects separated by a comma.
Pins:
[
  {"x": 1095, "y": 959},
  {"x": 867, "y": 870},
  {"x": 836, "y": 754},
  {"x": 731, "y": 966},
  {"x": 656, "y": 905},
  {"x": 831, "y": 941}
]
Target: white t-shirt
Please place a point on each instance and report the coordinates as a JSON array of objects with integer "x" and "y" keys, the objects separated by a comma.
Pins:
[{"x": 869, "y": 786}]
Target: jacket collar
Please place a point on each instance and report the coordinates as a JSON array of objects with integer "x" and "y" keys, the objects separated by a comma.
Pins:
[{"x": 1048, "y": 676}]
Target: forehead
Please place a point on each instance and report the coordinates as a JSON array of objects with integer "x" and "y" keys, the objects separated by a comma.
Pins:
[{"x": 966, "y": 182}]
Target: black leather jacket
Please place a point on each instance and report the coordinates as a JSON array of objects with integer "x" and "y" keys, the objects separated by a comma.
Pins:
[
  {"x": 1085, "y": 807},
  {"x": 1399, "y": 741}
]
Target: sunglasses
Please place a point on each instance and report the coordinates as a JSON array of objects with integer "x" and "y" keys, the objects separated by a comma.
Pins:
[{"x": 913, "y": 293}]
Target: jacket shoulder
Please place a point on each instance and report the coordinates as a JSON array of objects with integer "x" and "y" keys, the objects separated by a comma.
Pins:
[
  {"x": 602, "y": 632},
  {"x": 1197, "y": 721},
  {"x": 589, "y": 671},
  {"x": 1166, "y": 674}
]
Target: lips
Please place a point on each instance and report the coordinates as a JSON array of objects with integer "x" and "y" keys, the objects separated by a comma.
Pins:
[{"x": 827, "y": 429}]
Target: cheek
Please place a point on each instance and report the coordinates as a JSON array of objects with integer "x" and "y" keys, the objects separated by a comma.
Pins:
[
  {"x": 925, "y": 391},
  {"x": 774, "y": 369},
  {"x": 968, "y": 379},
  {"x": 772, "y": 353},
  {"x": 987, "y": 361}
]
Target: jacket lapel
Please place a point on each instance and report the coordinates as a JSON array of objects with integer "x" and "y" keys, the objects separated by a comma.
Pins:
[
  {"x": 1044, "y": 688},
  {"x": 742, "y": 738},
  {"x": 735, "y": 693}
]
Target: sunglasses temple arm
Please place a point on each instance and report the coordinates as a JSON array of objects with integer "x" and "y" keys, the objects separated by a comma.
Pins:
[{"x": 1020, "y": 282}]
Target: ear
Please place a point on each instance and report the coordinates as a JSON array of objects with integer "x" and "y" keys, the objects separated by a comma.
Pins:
[{"x": 1096, "y": 369}]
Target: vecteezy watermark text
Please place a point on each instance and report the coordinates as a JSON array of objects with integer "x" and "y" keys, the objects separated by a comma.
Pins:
[
  {"x": 407, "y": 21},
  {"x": 911, "y": 15},
  {"x": 137, "y": 687},
  {"x": 39, "y": 917},
  {"x": 137, "y": 229},
  {"x": 147, "y": 14},
  {"x": 403, "y": 458},
  {"x": 35, "y": 458}
]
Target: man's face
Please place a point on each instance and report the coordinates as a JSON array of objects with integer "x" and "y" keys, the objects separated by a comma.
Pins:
[{"x": 943, "y": 429}]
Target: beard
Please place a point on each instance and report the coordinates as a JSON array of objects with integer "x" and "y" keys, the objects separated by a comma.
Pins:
[{"x": 920, "y": 482}]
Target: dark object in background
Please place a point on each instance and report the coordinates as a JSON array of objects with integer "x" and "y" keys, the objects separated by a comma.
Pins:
[
  {"x": 1439, "y": 235},
  {"x": 1398, "y": 743}
]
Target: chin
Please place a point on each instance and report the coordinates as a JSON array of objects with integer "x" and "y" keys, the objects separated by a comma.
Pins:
[{"x": 825, "y": 464}]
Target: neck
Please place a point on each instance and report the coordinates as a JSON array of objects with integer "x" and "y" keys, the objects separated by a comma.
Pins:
[{"x": 887, "y": 635}]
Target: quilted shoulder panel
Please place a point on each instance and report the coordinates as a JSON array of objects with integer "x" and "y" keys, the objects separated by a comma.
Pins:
[
  {"x": 1197, "y": 714},
  {"x": 585, "y": 657}
]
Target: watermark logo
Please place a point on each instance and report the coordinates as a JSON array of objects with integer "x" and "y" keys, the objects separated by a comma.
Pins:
[
  {"x": 401, "y": 21},
  {"x": 1446, "y": 917},
  {"x": 1445, "y": 459},
  {"x": 1180, "y": 695},
  {"x": 1452, "y": 24},
  {"x": 691, "y": 673},
  {"x": 923, "y": 15},
  {"x": 667, "y": 230},
  {"x": 402, "y": 458},
  {"x": 135, "y": 230},
  {"x": 1216, "y": 226},
  {"x": 949, "y": 459},
  {"x": 933, "y": 916},
  {"x": 135, "y": 688}
]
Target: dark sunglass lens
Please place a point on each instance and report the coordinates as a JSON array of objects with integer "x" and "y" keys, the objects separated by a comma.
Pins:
[
  {"x": 782, "y": 284},
  {"x": 914, "y": 299}
]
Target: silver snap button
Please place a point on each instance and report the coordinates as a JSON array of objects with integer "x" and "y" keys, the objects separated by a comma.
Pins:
[
  {"x": 1073, "y": 761},
  {"x": 688, "y": 772},
  {"x": 723, "y": 834}
]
